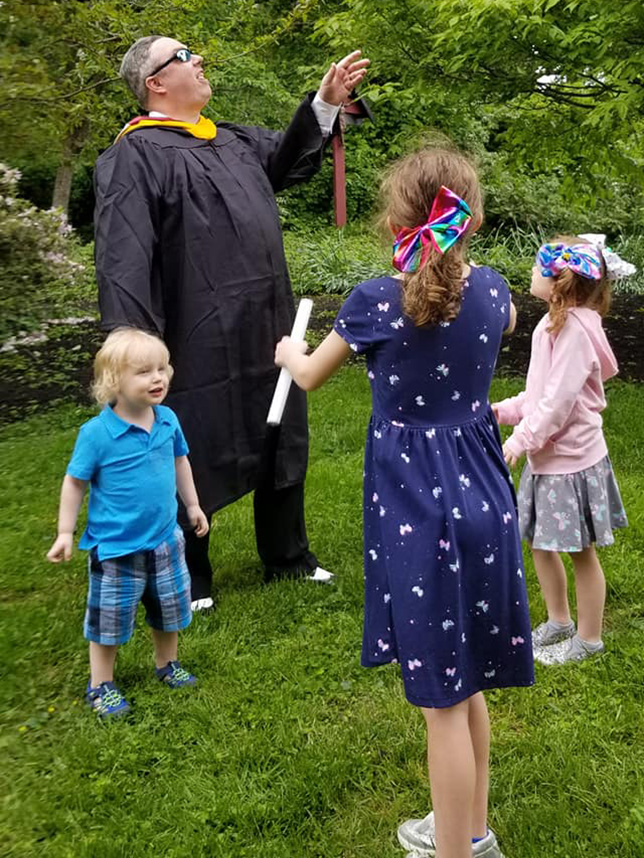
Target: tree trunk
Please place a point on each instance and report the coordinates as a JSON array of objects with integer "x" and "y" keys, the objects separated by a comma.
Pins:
[
  {"x": 72, "y": 147},
  {"x": 63, "y": 183}
]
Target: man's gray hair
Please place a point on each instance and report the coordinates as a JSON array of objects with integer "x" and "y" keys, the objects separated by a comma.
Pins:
[{"x": 135, "y": 67}]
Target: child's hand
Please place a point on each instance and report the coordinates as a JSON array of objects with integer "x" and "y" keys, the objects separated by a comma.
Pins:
[
  {"x": 62, "y": 548},
  {"x": 287, "y": 347},
  {"x": 495, "y": 410},
  {"x": 510, "y": 458},
  {"x": 198, "y": 520}
]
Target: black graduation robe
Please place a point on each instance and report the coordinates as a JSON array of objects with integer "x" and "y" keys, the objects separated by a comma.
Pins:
[{"x": 189, "y": 246}]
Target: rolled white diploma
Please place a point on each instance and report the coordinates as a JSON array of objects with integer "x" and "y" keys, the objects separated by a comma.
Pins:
[{"x": 283, "y": 385}]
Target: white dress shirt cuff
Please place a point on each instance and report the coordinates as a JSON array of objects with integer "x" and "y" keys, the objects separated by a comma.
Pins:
[{"x": 325, "y": 114}]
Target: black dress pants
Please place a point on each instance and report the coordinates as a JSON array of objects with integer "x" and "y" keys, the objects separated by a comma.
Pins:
[{"x": 280, "y": 534}]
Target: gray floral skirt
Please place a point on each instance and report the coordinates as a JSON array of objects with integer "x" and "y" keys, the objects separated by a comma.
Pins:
[{"x": 569, "y": 512}]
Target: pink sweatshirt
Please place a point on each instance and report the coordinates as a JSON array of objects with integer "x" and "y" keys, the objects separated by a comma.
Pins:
[{"x": 557, "y": 417}]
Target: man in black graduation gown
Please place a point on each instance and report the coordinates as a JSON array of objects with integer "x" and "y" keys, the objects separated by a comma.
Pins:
[{"x": 189, "y": 246}]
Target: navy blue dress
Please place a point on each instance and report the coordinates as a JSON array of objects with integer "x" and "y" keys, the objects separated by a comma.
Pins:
[{"x": 445, "y": 594}]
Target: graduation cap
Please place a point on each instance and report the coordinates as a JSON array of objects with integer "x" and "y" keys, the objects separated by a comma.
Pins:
[{"x": 357, "y": 111}]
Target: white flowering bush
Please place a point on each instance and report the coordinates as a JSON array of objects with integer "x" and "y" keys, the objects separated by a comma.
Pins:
[{"x": 36, "y": 264}]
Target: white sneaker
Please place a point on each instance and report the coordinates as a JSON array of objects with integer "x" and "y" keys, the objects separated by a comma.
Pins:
[
  {"x": 419, "y": 835},
  {"x": 201, "y": 605},
  {"x": 322, "y": 576},
  {"x": 488, "y": 847}
]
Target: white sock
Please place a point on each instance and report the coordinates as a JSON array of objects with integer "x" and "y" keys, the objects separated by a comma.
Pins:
[
  {"x": 591, "y": 647},
  {"x": 560, "y": 627}
]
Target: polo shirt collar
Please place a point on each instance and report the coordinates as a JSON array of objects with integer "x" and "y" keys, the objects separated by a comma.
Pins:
[{"x": 117, "y": 426}]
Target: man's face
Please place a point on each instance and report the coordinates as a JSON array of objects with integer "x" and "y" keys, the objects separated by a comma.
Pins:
[{"x": 185, "y": 83}]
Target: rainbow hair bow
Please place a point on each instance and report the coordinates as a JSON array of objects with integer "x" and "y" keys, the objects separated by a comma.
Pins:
[
  {"x": 449, "y": 218},
  {"x": 583, "y": 259}
]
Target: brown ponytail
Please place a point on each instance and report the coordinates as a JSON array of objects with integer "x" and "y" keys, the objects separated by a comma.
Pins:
[{"x": 433, "y": 293}]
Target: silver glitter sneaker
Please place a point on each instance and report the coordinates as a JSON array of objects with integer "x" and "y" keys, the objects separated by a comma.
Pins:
[
  {"x": 546, "y": 634},
  {"x": 419, "y": 835},
  {"x": 566, "y": 651}
]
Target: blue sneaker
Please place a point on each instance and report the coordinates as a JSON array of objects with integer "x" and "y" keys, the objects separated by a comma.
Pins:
[
  {"x": 174, "y": 675},
  {"x": 107, "y": 701}
]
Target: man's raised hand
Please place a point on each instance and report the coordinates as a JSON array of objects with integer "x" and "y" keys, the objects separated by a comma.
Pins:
[{"x": 342, "y": 78}]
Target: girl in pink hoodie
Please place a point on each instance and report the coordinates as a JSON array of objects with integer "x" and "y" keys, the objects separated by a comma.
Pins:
[{"x": 568, "y": 496}]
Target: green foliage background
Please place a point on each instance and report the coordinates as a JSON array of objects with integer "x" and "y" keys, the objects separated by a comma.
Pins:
[{"x": 547, "y": 94}]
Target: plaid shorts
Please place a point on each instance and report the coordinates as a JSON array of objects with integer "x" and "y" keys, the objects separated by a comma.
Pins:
[{"x": 158, "y": 578}]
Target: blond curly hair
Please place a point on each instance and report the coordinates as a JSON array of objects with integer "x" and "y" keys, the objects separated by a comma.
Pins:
[{"x": 124, "y": 347}]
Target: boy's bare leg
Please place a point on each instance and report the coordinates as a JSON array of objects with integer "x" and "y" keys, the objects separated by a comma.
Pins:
[
  {"x": 554, "y": 586},
  {"x": 590, "y": 586},
  {"x": 165, "y": 646},
  {"x": 101, "y": 663}
]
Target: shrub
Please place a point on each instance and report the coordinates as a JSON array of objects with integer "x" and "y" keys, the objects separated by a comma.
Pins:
[
  {"x": 330, "y": 260},
  {"x": 512, "y": 251},
  {"x": 631, "y": 248},
  {"x": 37, "y": 267}
]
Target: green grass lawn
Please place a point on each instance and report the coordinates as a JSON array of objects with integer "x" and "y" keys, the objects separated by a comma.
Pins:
[{"x": 287, "y": 748}]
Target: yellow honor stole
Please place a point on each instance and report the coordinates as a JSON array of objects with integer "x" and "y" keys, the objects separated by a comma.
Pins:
[{"x": 204, "y": 129}]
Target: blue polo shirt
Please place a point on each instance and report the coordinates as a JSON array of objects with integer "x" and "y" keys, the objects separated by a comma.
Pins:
[{"x": 132, "y": 496}]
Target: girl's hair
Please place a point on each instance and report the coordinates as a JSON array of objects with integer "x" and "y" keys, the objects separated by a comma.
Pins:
[
  {"x": 570, "y": 289},
  {"x": 433, "y": 293},
  {"x": 124, "y": 347}
]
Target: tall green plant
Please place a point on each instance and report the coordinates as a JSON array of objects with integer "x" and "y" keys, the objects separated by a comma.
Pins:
[{"x": 333, "y": 261}]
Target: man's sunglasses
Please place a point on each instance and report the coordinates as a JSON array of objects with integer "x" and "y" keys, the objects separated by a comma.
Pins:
[{"x": 183, "y": 55}]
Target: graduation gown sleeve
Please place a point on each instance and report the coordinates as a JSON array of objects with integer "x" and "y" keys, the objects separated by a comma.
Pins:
[
  {"x": 128, "y": 185},
  {"x": 291, "y": 156}
]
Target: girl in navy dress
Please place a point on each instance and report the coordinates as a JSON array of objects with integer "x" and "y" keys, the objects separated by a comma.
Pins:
[{"x": 444, "y": 588}]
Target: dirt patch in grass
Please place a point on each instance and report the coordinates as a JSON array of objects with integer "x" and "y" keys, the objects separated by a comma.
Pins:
[
  {"x": 624, "y": 326},
  {"x": 59, "y": 369}
]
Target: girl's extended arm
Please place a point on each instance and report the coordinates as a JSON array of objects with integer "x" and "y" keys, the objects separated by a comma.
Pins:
[
  {"x": 188, "y": 494},
  {"x": 311, "y": 371},
  {"x": 71, "y": 497},
  {"x": 508, "y": 412}
]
